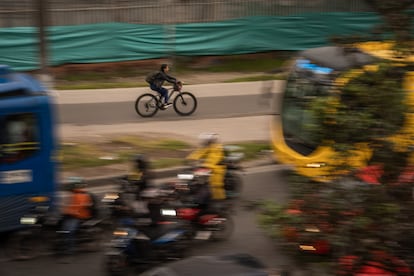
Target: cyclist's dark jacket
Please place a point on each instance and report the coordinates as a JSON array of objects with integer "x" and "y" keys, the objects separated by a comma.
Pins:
[{"x": 161, "y": 77}]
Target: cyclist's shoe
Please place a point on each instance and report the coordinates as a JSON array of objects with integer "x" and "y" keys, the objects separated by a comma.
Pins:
[{"x": 167, "y": 105}]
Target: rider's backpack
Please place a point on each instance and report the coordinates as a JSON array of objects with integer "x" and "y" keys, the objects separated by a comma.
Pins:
[{"x": 151, "y": 77}]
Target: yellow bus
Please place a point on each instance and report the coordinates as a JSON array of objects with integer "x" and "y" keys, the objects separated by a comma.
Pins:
[{"x": 322, "y": 72}]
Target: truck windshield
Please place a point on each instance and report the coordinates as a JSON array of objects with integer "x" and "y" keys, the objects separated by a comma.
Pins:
[{"x": 20, "y": 137}]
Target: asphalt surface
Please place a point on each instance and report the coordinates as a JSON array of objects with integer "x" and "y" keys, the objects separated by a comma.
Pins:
[{"x": 231, "y": 128}]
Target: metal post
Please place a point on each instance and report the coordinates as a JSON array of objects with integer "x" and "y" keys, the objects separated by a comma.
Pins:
[
  {"x": 42, "y": 23},
  {"x": 169, "y": 27}
]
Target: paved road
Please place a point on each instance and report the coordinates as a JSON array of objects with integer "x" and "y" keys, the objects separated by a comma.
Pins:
[
  {"x": 261, "y": 183},
  {"x": 237, "y": 111}
]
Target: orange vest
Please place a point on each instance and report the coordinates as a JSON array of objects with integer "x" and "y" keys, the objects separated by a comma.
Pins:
[{"x": 79, "y": 206}]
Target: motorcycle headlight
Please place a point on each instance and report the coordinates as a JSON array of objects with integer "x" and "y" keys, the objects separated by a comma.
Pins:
[
  {"x": 169, "y": 212},
  {"x": 312, "y": 229},
  {"x": 28, "y": 220},
  {"x": 185, "y": 176},
  {"x": 110, "y": 197},
  {"x": 307, "y": 247},
  {"x": 120, "y": 233}
]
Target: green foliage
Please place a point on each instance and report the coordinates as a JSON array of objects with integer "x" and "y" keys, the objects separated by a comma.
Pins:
[
  {"x": 369, "y": 108},
  {"x": 380, "y": 95},
  {"x": 253, "y": 149},
  {"x": 373, "y": 101},
  {"x": 171, "y": 145},
  {"x": 353, "y": 217},
  {"x": 273, "y": 217},
  {"x": 85, "y": 155},
  {"x": 125, "y": 75},
  {"x": 396, "y": 19},
  {"x": 258, "y": 78},
  {"x": 99, "y": 84},
  {"x": 161, "y": 163},
  {"x": 162, "y": 152}
]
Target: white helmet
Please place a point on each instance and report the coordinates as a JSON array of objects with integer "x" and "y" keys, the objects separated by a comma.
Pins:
[{"x": 208, "y": 138}]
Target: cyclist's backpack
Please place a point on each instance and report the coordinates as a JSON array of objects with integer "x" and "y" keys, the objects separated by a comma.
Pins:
[{"x": 151, "y": 77}]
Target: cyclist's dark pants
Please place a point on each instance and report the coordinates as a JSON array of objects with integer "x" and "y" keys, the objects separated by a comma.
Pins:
[{"x": 163, "y": 91}]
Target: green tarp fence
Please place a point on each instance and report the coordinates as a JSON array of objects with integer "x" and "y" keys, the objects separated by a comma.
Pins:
[{"x": 112, "y": 42}]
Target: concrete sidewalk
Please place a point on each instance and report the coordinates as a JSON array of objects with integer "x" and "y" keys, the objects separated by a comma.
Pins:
[{"x": 230, "y": 129}]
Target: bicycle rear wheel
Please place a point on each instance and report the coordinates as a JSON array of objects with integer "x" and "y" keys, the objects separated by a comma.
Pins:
[
  {"x": 185, "y": 104},
  {"x": 146, "y": 105}
]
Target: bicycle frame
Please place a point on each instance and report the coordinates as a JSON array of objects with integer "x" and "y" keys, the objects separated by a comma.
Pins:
[
  {"x": 176, "y": 89},
  {"x": 184, "y": 103}
]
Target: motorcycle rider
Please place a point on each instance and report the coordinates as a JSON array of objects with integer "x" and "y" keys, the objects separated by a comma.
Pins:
[
  {"x": 129, "y": 199},
  {"x": 78, "y": 208},
  {"x": 211, "y": 154},
  {"x": 140, "y": 173}
]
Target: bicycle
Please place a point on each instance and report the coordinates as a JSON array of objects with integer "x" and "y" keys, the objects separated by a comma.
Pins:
[{"x": 184, "y": 103}]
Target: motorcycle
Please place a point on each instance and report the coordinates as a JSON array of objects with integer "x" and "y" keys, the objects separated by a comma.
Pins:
[
  {"x": 233, "y": 183},
  {"x": 209, "y": 220},
  {"x": 120, "y": 203},
  {"x": 41, "y": 235},
  {"x": 28, "y": 242},
  {"x": 211, "y": 225},
  {"x": 115, "y": 201},
  {"x": 139, "y": 244}
]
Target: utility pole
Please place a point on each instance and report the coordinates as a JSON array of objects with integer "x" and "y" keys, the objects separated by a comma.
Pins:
[{"x": 42, "y": 23}]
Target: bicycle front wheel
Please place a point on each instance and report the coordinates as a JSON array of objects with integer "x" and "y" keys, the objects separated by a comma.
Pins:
[
  {"x": 146, "y": 105},
  {"x": 185, "y": 104}
]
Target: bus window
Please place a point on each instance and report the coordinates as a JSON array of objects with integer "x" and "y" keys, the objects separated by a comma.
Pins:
[
  {"x": 296, "y": 117},
  {"x": 20, "y": 139}
]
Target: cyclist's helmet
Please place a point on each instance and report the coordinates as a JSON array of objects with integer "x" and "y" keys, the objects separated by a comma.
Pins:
[{"x": 208, "y": 138}]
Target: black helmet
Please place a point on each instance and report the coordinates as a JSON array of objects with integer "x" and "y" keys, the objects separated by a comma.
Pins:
[
  {"x": 75, "y": 183},
  {"x": 141, "y": 161}
]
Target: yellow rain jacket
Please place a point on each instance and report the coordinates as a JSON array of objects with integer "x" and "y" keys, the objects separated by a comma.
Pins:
[{"x": 212, "y": 156}]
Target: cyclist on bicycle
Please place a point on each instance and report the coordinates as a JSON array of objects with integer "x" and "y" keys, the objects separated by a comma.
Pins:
[{"x": 157, "y": 80}]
